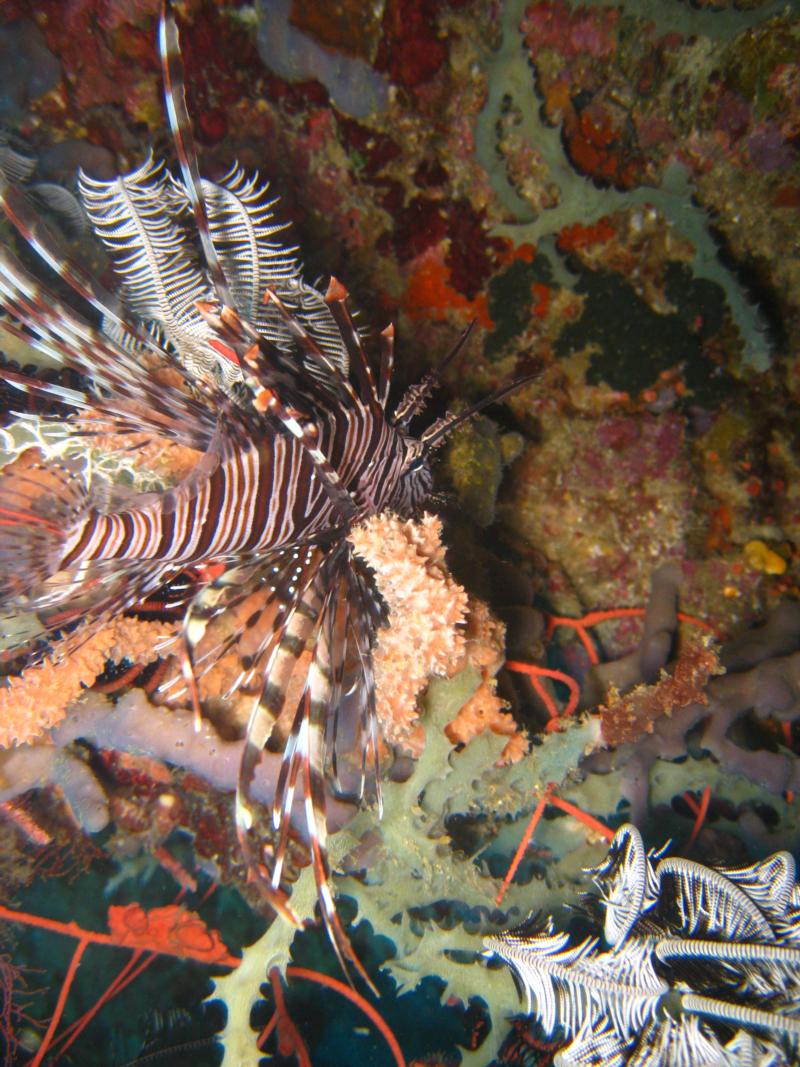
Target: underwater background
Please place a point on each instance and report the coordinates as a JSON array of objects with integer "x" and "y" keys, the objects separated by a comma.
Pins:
[{"x": 610, "y": 192}]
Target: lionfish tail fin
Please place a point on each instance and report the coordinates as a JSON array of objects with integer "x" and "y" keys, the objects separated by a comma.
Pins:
[{"x": 42, "y": 503}]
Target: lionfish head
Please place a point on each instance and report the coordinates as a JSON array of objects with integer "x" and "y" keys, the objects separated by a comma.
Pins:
[{"x": 415, "y": 480}]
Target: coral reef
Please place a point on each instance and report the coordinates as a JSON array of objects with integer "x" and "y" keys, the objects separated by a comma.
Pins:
[
  {"x": 611, "y": 192},
  {"x": 761, "y": 676}
]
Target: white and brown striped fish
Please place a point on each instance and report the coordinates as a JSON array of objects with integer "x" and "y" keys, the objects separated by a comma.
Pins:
[{"x": 298, "y": 445}]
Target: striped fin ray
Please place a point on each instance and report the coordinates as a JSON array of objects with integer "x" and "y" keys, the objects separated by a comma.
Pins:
[
  {"x": 315, "y": 709},
  {"x": 351, "y": 737},
  {"x": 101, "y": 590},
  {"x": 367, "y": 614},
  {"x": 324, "y": 600},
  {"x": 310, "y": 347},
  {"x": 231, "y": 220},
  {"x": 235, "y": 611},
  {"x": 293, "y": 583},
  {"x": 386, "y": 370},
  {"x": 279, "y": 655},
  {"x": 267, "y": 401},
  {"x": 133, "y": 392},
  {"x": 340, "y": 656},
  {"x": 305, "y": 756},
  {"x": 306, "y": 656},
  {"x": 308, "y": 304},
  {"x": 39, "y": 503},
  {"x": 336, "y": 299},
  {"x": 37, "y": 387},
  {"x": 110, "y": 415},
  {"x": 181, "y": 127}
]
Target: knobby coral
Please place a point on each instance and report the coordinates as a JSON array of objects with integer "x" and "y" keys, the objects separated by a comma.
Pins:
[
  {"x": 427, "y": 609},
  {"x": 434, "y": 629}
]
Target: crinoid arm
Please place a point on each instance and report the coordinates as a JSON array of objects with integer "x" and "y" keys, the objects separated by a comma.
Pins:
[
  {"x": 564, "y": 983},
  {"x": 696, "y": 952},
  {"x": 623, "y": 881},
  {"x": 137, "y": 216},
  {"x": 709, "y": 903}
]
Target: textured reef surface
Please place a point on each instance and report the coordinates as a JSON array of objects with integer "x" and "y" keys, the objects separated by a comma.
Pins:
[{"x": 611, "y": 193}]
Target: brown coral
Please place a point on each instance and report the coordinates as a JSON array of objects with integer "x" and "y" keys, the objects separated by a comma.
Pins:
[
  {"x": 626, "y": 718},
  {"x": 484, "y": 711},
  {"x": 36, "y": 700}
]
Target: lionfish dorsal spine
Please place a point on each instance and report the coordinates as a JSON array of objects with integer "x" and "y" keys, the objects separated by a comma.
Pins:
[
  {"x": 181, "y": 126},
  {"x": 336, "y": 299}
]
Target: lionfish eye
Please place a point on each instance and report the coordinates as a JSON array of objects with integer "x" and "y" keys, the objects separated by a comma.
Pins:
[{"x": 416, "y": 464}]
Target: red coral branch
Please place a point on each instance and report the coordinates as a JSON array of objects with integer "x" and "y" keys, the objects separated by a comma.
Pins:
[
  {"x": 289, "y": 1040},
  {"x": 548, "y": 797},
  {"x": 344, "y": 990},
  {"x": 700, "y": 811},
  {"x": 168, "y": 931},
  {"x": 592, "y": 618},
  {"x": 74, "y": 963},
  {"x": 536, "y": 673},
  {"x": 533, "y": 822}
]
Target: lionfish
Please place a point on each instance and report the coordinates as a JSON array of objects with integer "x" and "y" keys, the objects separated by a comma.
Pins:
[{"x": 269, "y": 379}]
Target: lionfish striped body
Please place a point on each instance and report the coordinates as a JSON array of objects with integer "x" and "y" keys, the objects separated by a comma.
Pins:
[{"x": 276, "y": 392}]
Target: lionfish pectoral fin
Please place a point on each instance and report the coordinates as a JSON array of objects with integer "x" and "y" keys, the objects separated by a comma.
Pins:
[
  {"x": 303, "y": 670},
  {"x": 202, "y": 608},
  {"x": 367, "y": 615},
  {"x": 291, "y": 620},
  {"x": 316, "y": 705},
  {"x": 41, "y": 504},
  {"x": 251, "y": 844},
  {"x": 343, "y": 616}
]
